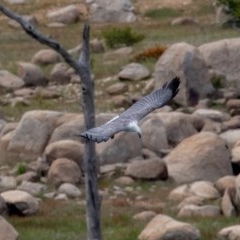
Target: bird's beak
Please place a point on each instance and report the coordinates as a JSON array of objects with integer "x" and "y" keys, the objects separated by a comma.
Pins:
[{"x": 139, "y": 134}]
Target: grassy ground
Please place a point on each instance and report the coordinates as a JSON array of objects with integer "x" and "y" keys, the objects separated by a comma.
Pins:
[
  {"x": 66, "y": 220},
  {"x": 61, "y": 220}
]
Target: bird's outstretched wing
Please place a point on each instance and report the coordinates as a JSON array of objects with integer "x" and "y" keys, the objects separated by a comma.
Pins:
[
  {"x": 137, "y": 111},
  {"x": 105, "y": 131},
  {"x": 154, "y": 100}
]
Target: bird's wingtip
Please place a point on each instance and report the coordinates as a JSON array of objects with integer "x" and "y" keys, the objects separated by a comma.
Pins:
[{"x": 173, "y": 85}]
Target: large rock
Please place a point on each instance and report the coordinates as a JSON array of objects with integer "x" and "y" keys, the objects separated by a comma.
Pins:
[
  {"x": 9, "y": 81},
  {"x": 212, "y": 114},
  {"x": 204, "y": 189},
  {"x": 31, "y": 74},
  {"x": 224, "y": 183},
  {"x": 70, "y": 190},
  {"x": 201, "y": 189},
  {"x": 221, "y": 57},
  {"x": 45, "y": 57},
  {"x": 64, "y": 170},
  {"x": 3, "y": 206},
  {"x": 64, "y": 149},
  {"x": 122, "y": 148},
  {"x": 185, "y": 61},
  {"x": 178, "y": 125},
  {"x": 68, "y": 130},
  {"x": 154, "y": 135},
  {"x": 164, "y": 227},
  {"x": 20, "y": 202},
  {"x": 112, "y": 11},
  {"x": 60, "y": 74},
  {"x": 231, "y": 136},
  {"x": 35, "y": 189},
  {"x": 29, "y": 176},
  {"x": 199, "y": 211},
  {"x": 180, "y": 193},
  {"x": 203, "y": 156},
  {"x": 68, "y": 126},
  {"x": 7, "y": 183},
  {"x": 117, "y": 88},
  {"x": 151, "y": 169},
  {"x": 66, "y": 15},
  {"x": 134, "y": 71},
  {"x": 32, "y": 133},
  {"x": 230, "y": 233},
  {"x": 194, "y": 200},
  {"x": 8, "y": 232},
  {"x": 227, "y": 204}
]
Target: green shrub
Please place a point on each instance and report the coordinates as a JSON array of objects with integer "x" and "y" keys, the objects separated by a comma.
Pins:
[
  {"x": 162, "y": 13},
  {"x": 233, "y": 9},
  {"x": 21, "y": 168},
  {"x": 217, "y": 81},
  {"x": 117, "y": 36}
]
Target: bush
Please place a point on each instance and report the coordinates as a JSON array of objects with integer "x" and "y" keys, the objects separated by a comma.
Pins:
[
  {"x": 150, "y": 53},
  {"x": 117, "y": 36},
  {"x": 233, "y": 9},
  {"x": 21, "y": 168},
  {"x": 160, "y": 13}
]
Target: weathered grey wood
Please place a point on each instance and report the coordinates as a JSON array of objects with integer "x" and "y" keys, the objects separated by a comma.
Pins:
[
  {"x": 82, "y": 67},
  {"x": 90, "y": 163}
]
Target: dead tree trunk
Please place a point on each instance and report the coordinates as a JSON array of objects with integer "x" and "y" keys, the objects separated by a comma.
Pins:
[{"x": 82, "y": 67}]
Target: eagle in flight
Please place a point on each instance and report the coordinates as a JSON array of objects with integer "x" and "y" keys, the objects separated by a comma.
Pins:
[{"x": 128, "y": 120}]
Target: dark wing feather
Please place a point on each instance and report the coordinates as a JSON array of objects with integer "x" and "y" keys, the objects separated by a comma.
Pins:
[
  {"x": 141, "y": 108},
  {"x": 154, "y": 100},
  {"x": 105, "y": 131}
]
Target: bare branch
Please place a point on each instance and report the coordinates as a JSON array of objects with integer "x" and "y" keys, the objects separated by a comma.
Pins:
[{"x": 84, "y": 57}]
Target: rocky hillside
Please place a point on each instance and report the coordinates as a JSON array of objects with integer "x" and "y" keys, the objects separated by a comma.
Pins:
[{"x": 189, "y": 149}]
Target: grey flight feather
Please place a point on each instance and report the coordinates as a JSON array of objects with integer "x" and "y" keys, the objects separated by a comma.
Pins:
[{"x": 127, "y": 121}]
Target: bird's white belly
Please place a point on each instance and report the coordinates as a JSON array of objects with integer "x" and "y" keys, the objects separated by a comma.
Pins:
[{"x": 133, "y": 127}]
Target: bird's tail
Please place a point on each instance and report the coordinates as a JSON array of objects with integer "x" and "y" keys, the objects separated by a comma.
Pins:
[{"x": 172, "y": 86}]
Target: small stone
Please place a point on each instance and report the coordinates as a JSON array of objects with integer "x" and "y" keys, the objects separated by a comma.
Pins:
[
  {"x": 70, "y": 190},
  {"x": 61, "y": 196},
  {"x": 32, "y": 188},
  {"x": 129, "y": 189},
  {"x": 233, "y": 103},
  {"x": 202, "y": 211},
  {"x": 120, "y": 101},
  {"x": 7, "y": 183},
  {"x": 117, "y": 88},
  {"x": 124, "y": 180},
  {"x": 50, "y": 195},
  {"x": 134, "y": 71},
  {"x": 28, "y": 176}
]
